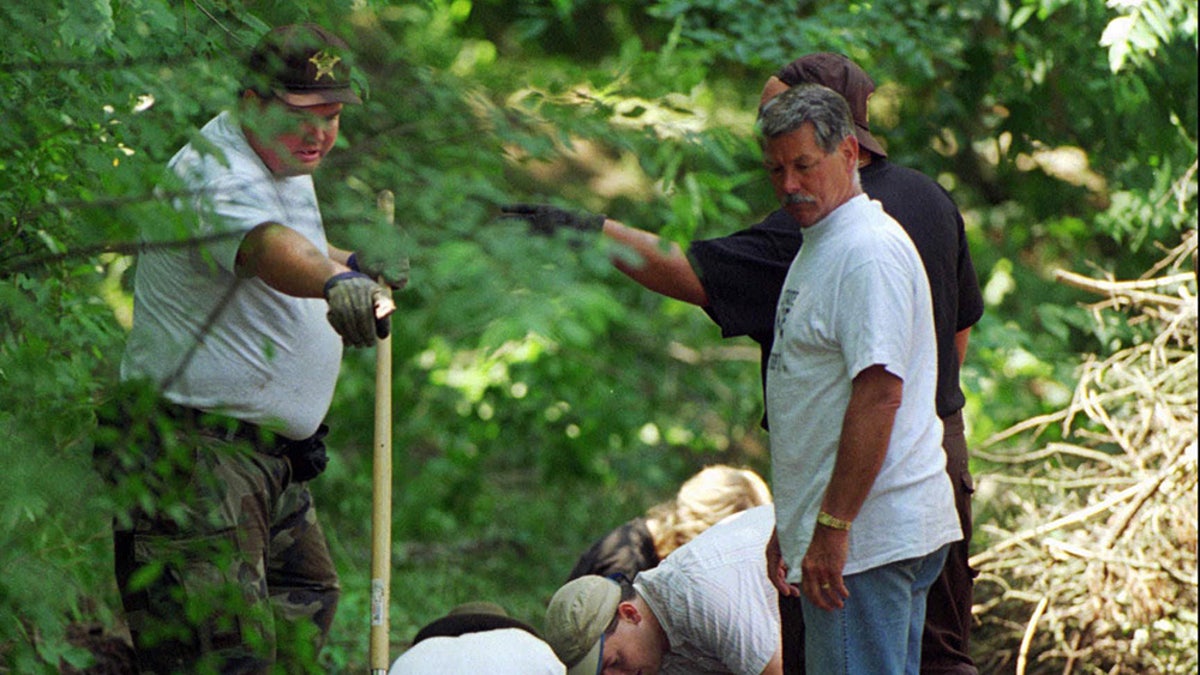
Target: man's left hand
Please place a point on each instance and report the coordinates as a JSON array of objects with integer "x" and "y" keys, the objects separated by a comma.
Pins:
[{"x": 821, "y": 569}]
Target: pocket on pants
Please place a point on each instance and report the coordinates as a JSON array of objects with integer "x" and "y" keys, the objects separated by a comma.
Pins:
[{"x": 201, "y": 585}]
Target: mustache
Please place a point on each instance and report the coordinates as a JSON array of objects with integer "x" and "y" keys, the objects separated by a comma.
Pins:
[{"x": 797, "y": 198}]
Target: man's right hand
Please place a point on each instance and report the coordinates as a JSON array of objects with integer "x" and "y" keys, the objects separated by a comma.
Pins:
[
  {"x": 821, "y": 579},
  {"x": 777, "y": 569},
  {"x": 353, "y": 298},
  {"x": 546, "y": 220}
]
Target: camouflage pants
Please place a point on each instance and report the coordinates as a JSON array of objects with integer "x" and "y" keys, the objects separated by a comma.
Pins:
[{"x": 229, "y": 573}]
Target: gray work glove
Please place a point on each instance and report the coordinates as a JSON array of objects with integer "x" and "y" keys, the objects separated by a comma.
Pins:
[
  {"x": 352, "y": 297},
  {"x": 394, "y": 273},
  {"x": 545, "y": 220}
]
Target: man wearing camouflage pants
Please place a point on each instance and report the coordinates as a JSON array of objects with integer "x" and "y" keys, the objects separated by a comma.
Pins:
[{"x": 239, "y": 340}]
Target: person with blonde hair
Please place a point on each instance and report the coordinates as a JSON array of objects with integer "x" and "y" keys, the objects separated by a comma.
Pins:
[{"x": 705, "y": 499}]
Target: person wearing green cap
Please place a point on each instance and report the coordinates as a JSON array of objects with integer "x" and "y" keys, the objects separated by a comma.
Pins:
[
  {"x": 707, "y": 608},
  {"x": 238, "y": 338}
]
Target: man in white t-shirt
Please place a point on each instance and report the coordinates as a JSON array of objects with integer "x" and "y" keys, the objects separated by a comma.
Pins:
[
  {"x": 229, "y": 371},
  {"x": 864, "y": 508},
  {"x": 708, "y": 608}
]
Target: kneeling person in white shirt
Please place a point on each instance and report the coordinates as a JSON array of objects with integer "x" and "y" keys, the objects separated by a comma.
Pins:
[{"x": 707, "y": 608}]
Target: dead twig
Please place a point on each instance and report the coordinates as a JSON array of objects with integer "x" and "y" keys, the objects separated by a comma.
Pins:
[
  {"x": 1102, "y": 518},
  {"x": 1028, "y": 638}
]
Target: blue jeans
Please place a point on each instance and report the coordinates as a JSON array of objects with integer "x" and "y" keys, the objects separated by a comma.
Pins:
[{"x": 878, "y": 630}]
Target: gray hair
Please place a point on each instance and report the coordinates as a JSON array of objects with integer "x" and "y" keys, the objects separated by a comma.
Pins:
[{"x": 820, "y": 106}]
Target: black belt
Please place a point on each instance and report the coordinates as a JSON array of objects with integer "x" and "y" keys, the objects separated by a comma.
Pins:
[
  {"x": 306, "y": 456},
  {"x": 228, "y": 428},
  {"x": 128, "y": 418}
]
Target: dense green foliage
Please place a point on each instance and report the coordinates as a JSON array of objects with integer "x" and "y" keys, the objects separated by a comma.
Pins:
[{"x": 540, "y": 396}]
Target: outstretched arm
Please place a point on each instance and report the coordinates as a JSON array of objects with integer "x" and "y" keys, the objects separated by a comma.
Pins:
[
  {"x": 286, "y": 261},
  {"x": 659, "y": 266}
]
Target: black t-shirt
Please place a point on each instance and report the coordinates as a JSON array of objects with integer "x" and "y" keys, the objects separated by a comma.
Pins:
[
  {"x": 627, "y": 550},
  {"x": 743, "y": 273}
]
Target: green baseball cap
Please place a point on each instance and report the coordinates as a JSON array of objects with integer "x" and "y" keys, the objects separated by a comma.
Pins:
[{"x": 576, "y": 619}]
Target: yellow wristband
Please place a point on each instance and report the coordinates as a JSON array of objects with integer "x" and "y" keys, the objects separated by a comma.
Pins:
[{"x": 832, "y": 522}]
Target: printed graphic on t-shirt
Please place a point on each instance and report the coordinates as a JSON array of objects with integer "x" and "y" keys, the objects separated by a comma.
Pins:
[{"x": 775, "y": 363}]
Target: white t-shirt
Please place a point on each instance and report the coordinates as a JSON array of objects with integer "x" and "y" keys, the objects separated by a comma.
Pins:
[
  {"x": 713, "y": 599},
  {"x": 214, "y": 341},
  {"x": 504, "y": 651},
  {"x": 855, "y": 296}
]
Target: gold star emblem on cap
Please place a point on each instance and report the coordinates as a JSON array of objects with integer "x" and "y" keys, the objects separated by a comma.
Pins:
[{"x": 324, "y": 61}]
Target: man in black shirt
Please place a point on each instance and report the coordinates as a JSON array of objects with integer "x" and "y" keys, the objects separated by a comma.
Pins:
[{"x": 737, "y": 278}]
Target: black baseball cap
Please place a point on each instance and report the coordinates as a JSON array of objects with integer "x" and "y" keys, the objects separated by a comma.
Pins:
[
  {"x": 472, "y": 617},
  {"x": 302, "y": 60}
]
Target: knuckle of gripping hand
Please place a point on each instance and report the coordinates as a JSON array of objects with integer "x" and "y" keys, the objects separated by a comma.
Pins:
[{"x": 351, "y": 299}]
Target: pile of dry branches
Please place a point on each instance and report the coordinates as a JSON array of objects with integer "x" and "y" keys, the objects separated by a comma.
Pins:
[{"x": 1094, "y": 569}]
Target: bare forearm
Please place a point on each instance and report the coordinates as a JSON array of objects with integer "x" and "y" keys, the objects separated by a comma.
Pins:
[
  {"x": 866, "y": 431},
  {"x": 960, "y": 344},
  {"x": 339, "y": 255},
  {"x": 663, "y": 269},
  {"x": 286, "y": 261}
]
